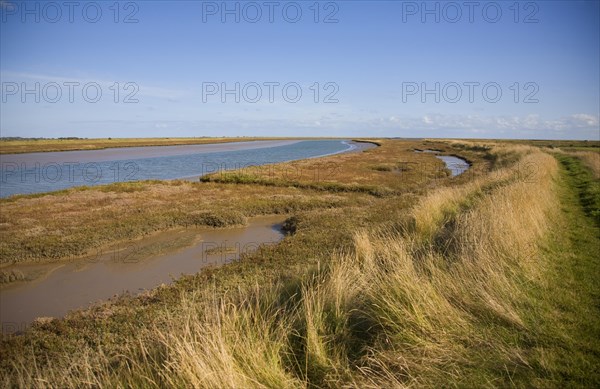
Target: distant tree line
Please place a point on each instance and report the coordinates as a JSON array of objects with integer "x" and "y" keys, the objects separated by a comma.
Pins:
[{"x": 7, "y": 138}]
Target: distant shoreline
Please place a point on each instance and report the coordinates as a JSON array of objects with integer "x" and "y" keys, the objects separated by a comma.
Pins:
[{"x": 22, "y": 146}]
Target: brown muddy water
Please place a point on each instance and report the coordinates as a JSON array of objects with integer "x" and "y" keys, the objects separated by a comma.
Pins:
[{"x": 131, "y": 267}]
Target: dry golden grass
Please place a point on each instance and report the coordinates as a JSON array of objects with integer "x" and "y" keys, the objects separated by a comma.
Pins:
[
  {"x": 430, "y": 300},
  {"x": 437, "y": 208},
  {"x": 445, "y": 301},
  {"x": 227, "y": 344}
]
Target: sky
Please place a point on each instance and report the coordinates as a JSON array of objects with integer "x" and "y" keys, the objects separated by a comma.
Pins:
[{"x": 481, "y": 69}]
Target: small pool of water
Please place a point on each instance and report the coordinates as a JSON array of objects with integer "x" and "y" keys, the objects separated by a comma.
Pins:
[
  {"x": 456, "y": 165},
  {"x": 131, "y": 267}
]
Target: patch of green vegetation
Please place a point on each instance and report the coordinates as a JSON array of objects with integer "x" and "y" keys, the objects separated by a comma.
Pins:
[
  {"x": 566, "y": 345},
  {"x": 588, "y": 188},
  {"x": 56, "y": 193},
  {"x": 476, "y": 148},
  {"x": 383, "y": 168},
  {"x": 8, "y": 276},
  {"x": 328, "y": 186},
  {"x": 500, "y": 160},
  {"x": 129, "y": 187},
  {"x": 115, "y": 187},
  {"x": 223, "y": 218},
  {"x": 221, "y": 250}
]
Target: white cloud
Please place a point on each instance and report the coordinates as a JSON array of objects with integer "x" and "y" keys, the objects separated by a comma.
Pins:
[
  {"x": 586, "y": 119},
  {"x": 476, "y": 123}
]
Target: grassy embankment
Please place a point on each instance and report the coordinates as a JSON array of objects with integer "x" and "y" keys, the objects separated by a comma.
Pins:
[
  {"x": 548, "y": 145},
  {"x": 487, "y": 283}
]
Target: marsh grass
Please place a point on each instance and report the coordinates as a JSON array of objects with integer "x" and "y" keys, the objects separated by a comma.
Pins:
[
  {"x": 392, "y": 168},
  {"x": 71, "y": 223},
  {"x": 241, "y": 178},
  {"x": 464, "y": 291},
  {"x": 55, "y": 227}
]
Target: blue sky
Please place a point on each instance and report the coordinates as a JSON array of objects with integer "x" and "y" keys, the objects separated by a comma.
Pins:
[{"x": 369, "y": 61}]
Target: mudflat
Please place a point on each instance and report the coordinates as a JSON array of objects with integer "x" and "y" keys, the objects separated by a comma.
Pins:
[{"x": 120, "y": 153}]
